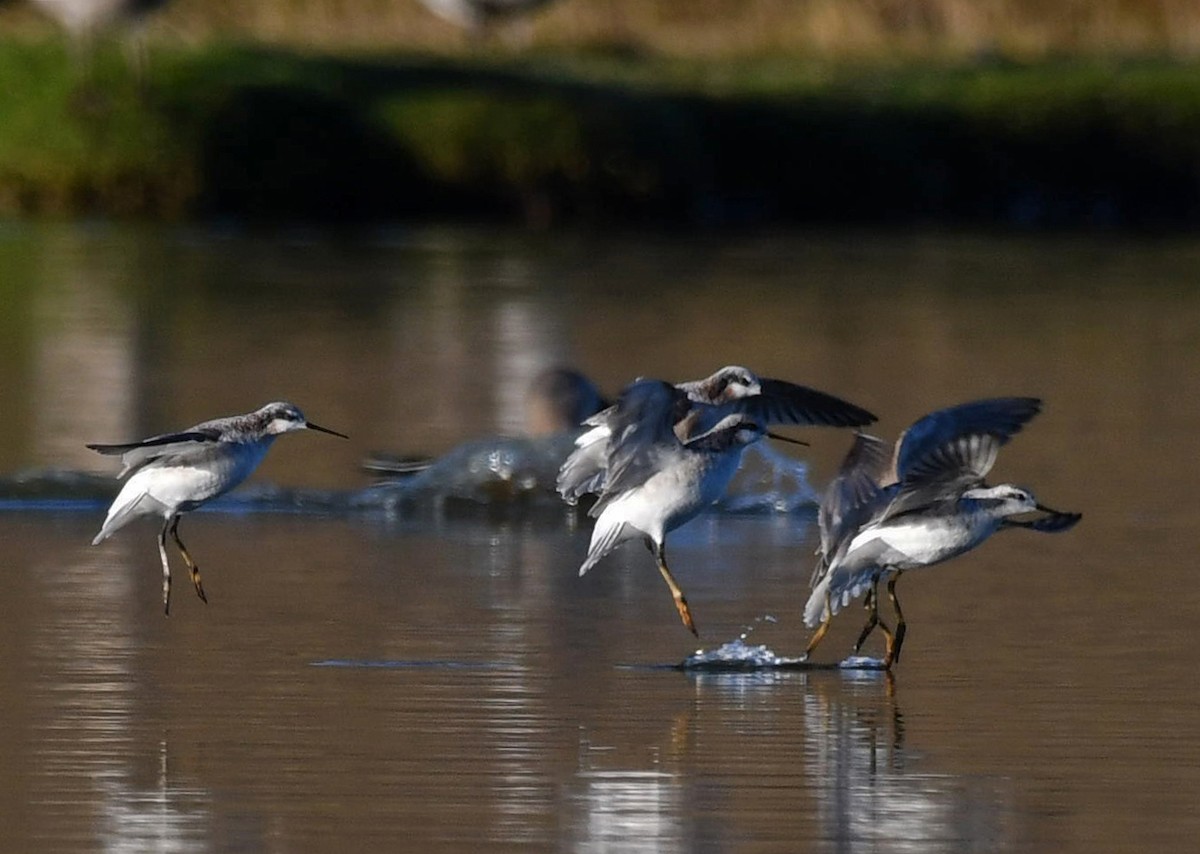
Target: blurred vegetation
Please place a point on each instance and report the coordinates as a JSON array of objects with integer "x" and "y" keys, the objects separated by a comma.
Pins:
[
  {"x": 1045, "y": 114},
  {"x": 827, "y": 29}
]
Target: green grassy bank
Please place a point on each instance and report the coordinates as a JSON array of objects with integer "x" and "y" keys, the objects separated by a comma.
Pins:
[{"x": 226, "y": 131}]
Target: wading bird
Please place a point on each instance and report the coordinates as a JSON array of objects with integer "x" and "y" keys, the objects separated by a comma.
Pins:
[
  {"x": 559, "y": 400},
  {"x": 883, "y": 515},
  {"x": 765, "y": 401},
  {"x": 177, "y": 472},
  {"x": 667, "y": 456}
]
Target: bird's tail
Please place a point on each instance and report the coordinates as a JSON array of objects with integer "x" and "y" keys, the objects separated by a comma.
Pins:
[
  {"x": 814, "y": 609},
  {"x": 604, "y": 539},
  {"x": 127, "y": 507},
  {"x": 840, "y": 588}
]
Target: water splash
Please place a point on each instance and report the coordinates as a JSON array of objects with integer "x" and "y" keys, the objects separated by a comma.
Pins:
[
  {"x": 860, "y": 662},
  {"x": 769, "y": 482},
  {"x": 496, "y": 470},
  {"x": 736, "y": 655},
  {"x": 739, "y": 656}
]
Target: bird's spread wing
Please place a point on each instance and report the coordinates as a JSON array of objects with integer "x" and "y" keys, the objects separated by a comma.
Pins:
[
  {"x": 601, "y": 418},
  {"x": 948, "y": 440},
  {"x": 852, "y": 498},
  {"x": 642, "y": 425},
  {"x": 585, "y": 469},
  {"x": 782, "y": 402},
  {"x": 168, "y": 448},
  {"x": 953, "y": 449}
]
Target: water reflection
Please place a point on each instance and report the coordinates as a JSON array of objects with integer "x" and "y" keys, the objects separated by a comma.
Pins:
[
  {"x": 470, "y": 335},
  {"x": 164, "y": 816},
  {"x": 86, "y": 364},
  {"x": 211, "y": 731},
  {"x": 87, "y": 729},
  {"x": 627, "y": 810},
  {"x": 869, "y": 796}
]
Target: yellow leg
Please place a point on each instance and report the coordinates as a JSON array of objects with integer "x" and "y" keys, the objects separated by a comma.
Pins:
[
  {"x": 685, "y": 613},
  {"x": 873, "y": 620},
  {"x": 821, "y": 629},
  {"x": 187, "y": 558},
  {"x": 871, "y": 603},
  {"x": 166, "y": 568},
  {"x": 895, "y": 643}
]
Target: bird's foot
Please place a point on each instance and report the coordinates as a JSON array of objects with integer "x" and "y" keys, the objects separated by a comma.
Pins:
[
  {"x": 685, "y": 614},
  {"x": 199, "y": 586}
]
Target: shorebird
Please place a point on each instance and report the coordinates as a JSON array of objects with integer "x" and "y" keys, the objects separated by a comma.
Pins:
[
  {"x": 177, "y": 472},
  {"x": 765, "y": 401},
  {"x": 666, "y": 457},
  {"x": 884, "y": 515},
  {"x": 559, "y": 400}
]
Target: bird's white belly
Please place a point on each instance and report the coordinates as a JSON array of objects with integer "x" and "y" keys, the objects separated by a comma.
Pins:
[
  {"x": 186, "y": 487},
  {"x": 919, "y": 543},
  {"x": 680, "y": 497},
  {"x": 672, "y": 497}
]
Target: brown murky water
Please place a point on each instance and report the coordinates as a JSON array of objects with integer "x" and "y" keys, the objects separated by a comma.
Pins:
[{"x": 444, "y": 682}]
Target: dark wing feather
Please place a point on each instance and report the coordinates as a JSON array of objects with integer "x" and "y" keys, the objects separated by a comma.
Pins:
[
  {"x": 852, "y": 497},
  {"x": 953, "y": 449},
  {"x": 600, "y": 418},
  {"x": 642, "y": 422},
  {"x": 782, "y": 402},
  {"x": 175, "y": 447},
  {"x": 942, "y": 441},
  {"x": 585, "y": 469}
]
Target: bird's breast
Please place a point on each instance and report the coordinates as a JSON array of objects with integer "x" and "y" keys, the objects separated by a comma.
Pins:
[{"x": 920, "y": 541}]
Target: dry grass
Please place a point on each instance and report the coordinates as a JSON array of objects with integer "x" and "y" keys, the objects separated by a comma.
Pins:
[{"x": 829, "y": 29}]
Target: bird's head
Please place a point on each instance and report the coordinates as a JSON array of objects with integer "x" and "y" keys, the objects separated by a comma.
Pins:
[
  {"x": 731, "y": 383},
  {"x": 282, "y": 417},
  {"x": 1007, "y": 500},
  {"x": 1004, "y": 500}
]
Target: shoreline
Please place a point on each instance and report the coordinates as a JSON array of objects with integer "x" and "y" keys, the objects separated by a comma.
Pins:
[{"x": 546, "y": 139}]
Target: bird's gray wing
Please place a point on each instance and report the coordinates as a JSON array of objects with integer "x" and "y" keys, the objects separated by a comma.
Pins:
[
  {"x": 601, "y": 418},
  {"x": 642, "y": 426},
  {"x": 585, "y": 470},
  {"x": 170, "y": 448},
  {"x": 953, "y": 449},
  {"x": 782, "y": 402},
  {"x": 962, "y": 438},
  {"x": 852, "y": 498}
]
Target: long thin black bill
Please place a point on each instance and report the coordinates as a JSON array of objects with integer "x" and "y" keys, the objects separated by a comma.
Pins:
[
  {"x": 321, "y": 429},
  {"x": 1054, "y": 522},
  {"x": 788, "y": 439}
]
